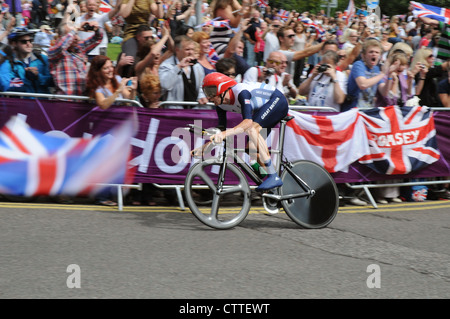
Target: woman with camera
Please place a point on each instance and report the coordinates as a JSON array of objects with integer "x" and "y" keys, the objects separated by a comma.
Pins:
[
  {"x": 105, "y": 85},
  {"x": 325, "y": 86},
  {"x": 428, "y": 75}
]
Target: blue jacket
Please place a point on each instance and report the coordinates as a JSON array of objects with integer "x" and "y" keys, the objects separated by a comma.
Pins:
[
  {"x": 31, "y": 84},
  {"x": 5, "y": 77}
]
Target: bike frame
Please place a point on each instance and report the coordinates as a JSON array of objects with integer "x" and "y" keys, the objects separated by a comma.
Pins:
[{"x": 281, "y": 163}]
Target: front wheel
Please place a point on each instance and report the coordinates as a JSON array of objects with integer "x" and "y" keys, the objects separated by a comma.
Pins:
[
  {"x": 235, "y": 190},
  {"x": 314, "y": 211}
]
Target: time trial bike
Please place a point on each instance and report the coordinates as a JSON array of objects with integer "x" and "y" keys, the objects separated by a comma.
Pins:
[{"x": 309, "y": 195}]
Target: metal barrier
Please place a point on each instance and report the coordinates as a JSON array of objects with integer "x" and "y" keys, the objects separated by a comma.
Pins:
[
  {"x": 189, "y": 105},
  {"x": 66, "y": 97}
]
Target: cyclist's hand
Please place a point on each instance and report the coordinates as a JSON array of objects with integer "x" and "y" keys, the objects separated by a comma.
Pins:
[{"x": 217, "y": 138}]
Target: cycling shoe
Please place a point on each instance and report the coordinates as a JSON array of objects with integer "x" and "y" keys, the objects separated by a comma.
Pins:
[{"x": 272, "y": 181}]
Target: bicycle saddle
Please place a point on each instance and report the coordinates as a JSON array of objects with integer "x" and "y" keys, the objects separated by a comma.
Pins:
[{"x": 287, "y": 118}]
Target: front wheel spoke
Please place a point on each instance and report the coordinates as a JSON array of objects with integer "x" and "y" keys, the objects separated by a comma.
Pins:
[
  {"x": 215, "y": 206},
  {"x": 204, "y": 176}
]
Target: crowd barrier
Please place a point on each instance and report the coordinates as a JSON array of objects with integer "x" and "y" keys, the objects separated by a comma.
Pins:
[{"x": 77, "y": 116}]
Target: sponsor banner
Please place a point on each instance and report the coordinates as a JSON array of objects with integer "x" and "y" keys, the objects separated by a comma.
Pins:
[{"x": 160, "y": 152}]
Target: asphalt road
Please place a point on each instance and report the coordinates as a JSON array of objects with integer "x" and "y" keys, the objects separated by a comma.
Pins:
[{"x": 85, "y": 251}]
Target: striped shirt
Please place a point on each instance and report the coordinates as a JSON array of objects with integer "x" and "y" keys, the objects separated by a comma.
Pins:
[
  {"x": 220, "y": 38},
  {"x": 444, "y": 42},
  {"x": 69, "y": 69}
]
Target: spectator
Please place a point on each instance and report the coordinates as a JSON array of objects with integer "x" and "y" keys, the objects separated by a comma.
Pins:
[
  {"x": 444, "y": 89},
  {"x": 5, "y": 31},
  {"x": 177, "y": 19},
  {"x": 300, "y": 43},
  {"x": 29, "y": 68},
  {"x": 277, "y": 76},
  {"x": 286, "y": 37},
  {"x": 105, "y": 86},
  {"x": 426, "y": 38},
  {"x": 394, "y": 32},
  {"x": 350, "y": 38},
  {"x": 180, "y": 77},
  {"x": 68, "y": 58},
  {"x": 364, "y": 77},
  {"x": 150, "y": 91},
  {"x": 326, "y": 86},
  {"x": 5, "y": 68},
  {"x": 227, "y": 66},
  {"x": 250, "y": 37},
  {"x": 150, "y": 55},
  {"x": 271, "y": 40},
  {"x": 222, "y": 33},
  {"x": 137, "y": 13},
  {"x": 202, "y": 38},
  {"x": 385, "y": 44},
  {"x": 444, "y": 42},
  {"x": 43, "y": 38},
  {"x": 426, "y": 88},
  {"x": 127, "y": 57},
  {"x": 102, "y": 20},
  {"x": 260, "y": 43}
]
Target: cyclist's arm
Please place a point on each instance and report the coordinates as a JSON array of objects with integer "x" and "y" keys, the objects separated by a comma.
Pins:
[
  {"x": 246, "y": 109},
  {"x": 222, "y": 116}
]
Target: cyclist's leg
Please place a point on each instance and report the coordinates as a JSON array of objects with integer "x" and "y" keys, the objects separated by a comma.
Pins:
[{"x": 267, "y": 117}]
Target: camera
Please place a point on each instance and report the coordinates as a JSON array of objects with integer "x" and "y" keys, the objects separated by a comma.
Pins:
[
  {"x": 129, "y": 83},
  {"x": 269, "y": 71},
  {"x": 193, "y": 61},
  {"x": 322, "y": 68},
  {"x": 88, "y": 27}
]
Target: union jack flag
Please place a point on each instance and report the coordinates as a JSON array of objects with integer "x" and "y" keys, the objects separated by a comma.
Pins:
[
  {"x": 308, "y": 22},
  {"x": 283, "y": 14},
  {"x": 262, "y": 3},
  {"x": 401, "y": 140},
  {"x": 212, "y": 56},
  {"x": 105, "y": 6},
  {"x": 428, "y": 11},
  {"x": 33, "y": 163}
]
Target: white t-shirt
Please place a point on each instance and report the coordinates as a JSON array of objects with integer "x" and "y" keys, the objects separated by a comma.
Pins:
[
  {"x": 321, "y": 91},
  {"x": 251, "y": 76},
  {"x": 271, "y": 44},
  {"x": 102, "y": 19}
]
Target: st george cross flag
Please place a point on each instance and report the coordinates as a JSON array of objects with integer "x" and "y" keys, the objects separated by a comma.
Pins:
[
  {"x": 333, "y": 141},
  {"x": 432, "y": 12},
  {"x": 401, "y": 140},
  {"x": 34, "y": 163},
  {"x": 349, "y": 12}
]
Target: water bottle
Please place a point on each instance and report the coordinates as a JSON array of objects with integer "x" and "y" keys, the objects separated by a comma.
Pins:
[{"x": 259, "y": 170}]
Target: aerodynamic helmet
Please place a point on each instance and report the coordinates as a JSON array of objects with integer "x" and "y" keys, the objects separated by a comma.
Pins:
[{"x": 215, "y": 84}]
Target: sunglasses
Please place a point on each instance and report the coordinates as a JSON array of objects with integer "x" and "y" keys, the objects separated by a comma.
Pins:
[
  {"x": 26, "y": 41},
  {"x": 342, "y": 57},
  {"x": 230, "y": 74},
  {"x": 275, "y": 25},
  {"x": 277, "y": 62},
  {"x": 290, "y": 36},
  {"x": 430, "y": 56}
]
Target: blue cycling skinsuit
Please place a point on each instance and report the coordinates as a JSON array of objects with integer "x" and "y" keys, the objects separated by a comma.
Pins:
[
  {"x": 265, "y": 105},
  {"x": 262, "y": 103}
]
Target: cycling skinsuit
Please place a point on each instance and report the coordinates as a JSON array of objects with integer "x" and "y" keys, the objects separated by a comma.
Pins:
[{"x": 262, "y": 103}]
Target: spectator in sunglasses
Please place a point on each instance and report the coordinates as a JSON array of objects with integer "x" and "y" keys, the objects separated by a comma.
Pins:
[
  {"x": 274, "y": 73},
  {"x": 286, "y": 37},
  {"x": 30, "y": 71}
]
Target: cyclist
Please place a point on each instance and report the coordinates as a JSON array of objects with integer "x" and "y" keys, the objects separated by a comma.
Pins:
[{"x": 261, "y": 106}]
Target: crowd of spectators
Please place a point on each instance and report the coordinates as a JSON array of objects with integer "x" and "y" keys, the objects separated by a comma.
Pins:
[{"x": 59, "y": 46}]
